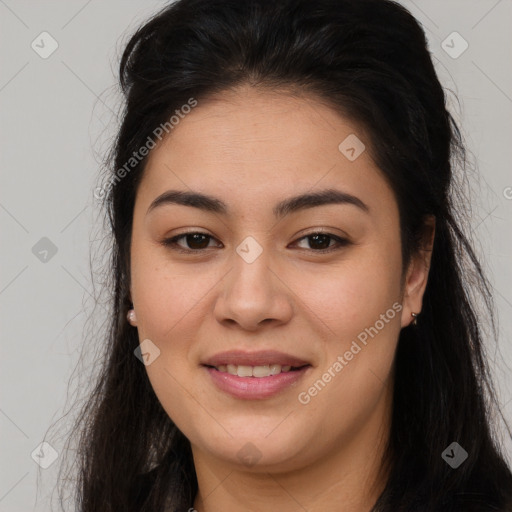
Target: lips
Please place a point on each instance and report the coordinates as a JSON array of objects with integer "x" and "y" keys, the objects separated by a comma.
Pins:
[
  {"x": 260, "y": 358},
  {"x": 255, "y": 375}
]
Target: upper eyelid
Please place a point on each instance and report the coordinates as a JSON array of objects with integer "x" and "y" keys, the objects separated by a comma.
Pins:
[
  {"x": 314, "y": 231},
  {"x": 318, "y": 231}
]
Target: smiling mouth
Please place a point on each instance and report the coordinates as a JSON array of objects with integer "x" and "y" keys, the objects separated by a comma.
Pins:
[{"x": 256, "y": 371}]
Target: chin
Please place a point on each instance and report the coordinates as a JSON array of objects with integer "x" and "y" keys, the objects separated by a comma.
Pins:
[{"x": 257, "y": 453}]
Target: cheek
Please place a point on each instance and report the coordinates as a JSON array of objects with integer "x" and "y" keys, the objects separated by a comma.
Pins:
[
  {"x": 360, "y": 312},
  {"x": 351, "y": 295},
  {"x": 162, "y": 299},
  {"x": 164, "y": 294},
  {"x": 166, "y": 299},
  {"x": 358, "y": 307}
]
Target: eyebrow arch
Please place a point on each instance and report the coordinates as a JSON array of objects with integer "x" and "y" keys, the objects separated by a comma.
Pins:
[{"x": 281, "y": 209}]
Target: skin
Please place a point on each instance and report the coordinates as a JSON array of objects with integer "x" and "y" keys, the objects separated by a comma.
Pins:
[{"x": 251, "y": 149}]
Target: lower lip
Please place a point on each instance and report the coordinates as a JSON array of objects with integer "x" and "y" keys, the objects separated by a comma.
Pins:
[{"x": 255, "y": 388}]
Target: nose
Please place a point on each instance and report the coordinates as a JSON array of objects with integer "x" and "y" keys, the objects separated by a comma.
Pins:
[{"x": 253, "y": 295}]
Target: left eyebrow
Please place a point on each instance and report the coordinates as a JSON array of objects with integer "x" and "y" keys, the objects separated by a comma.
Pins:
[
  {"x": 310, "y": 200},
  {"x": 281, "y": 209}
]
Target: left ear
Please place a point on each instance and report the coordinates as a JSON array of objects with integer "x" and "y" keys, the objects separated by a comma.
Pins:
[{"x": 417, "y": 273}]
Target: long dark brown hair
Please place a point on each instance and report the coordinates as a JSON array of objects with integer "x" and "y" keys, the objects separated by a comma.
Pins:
[{"x": 369, "y": 60}]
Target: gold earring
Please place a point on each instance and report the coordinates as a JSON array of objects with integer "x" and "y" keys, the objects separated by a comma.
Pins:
[{"x": 415, "y": 316}]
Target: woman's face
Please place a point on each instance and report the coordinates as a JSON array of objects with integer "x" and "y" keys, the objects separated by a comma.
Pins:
[{"x": 257, "y": 290}]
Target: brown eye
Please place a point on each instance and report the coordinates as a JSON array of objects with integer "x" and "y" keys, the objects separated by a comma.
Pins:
[
  {"x": 321, "y": 242},
  {"x": 195, "y": 241}
]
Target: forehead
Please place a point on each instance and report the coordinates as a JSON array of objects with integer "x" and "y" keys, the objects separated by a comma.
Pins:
[
  {"x": 251, "y": 127},
  {"x": 250, "y": 145}
]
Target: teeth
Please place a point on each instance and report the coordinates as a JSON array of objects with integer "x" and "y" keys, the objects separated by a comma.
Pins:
[
  {"x": 244, "y": 371},
  {"x": 275, "y": 369},
  {"x": 261, "y": 371},
  {"x": 253, "y": 371}
]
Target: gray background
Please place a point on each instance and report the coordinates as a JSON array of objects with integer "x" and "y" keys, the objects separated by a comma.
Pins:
[{"x": 58, "y": 116}]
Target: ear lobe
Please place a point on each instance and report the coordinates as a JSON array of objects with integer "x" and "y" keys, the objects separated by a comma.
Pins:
[{"x": 417, "y": 273}]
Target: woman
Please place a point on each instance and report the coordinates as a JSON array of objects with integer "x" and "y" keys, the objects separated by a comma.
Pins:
[{"x": 292, "y": 323}]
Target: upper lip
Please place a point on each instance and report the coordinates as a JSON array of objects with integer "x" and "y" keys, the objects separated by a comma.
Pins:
[{"x": 260, "y": 358}]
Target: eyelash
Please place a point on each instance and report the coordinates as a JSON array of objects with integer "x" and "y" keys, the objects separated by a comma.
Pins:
[{"x": 172, "y": 243}]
